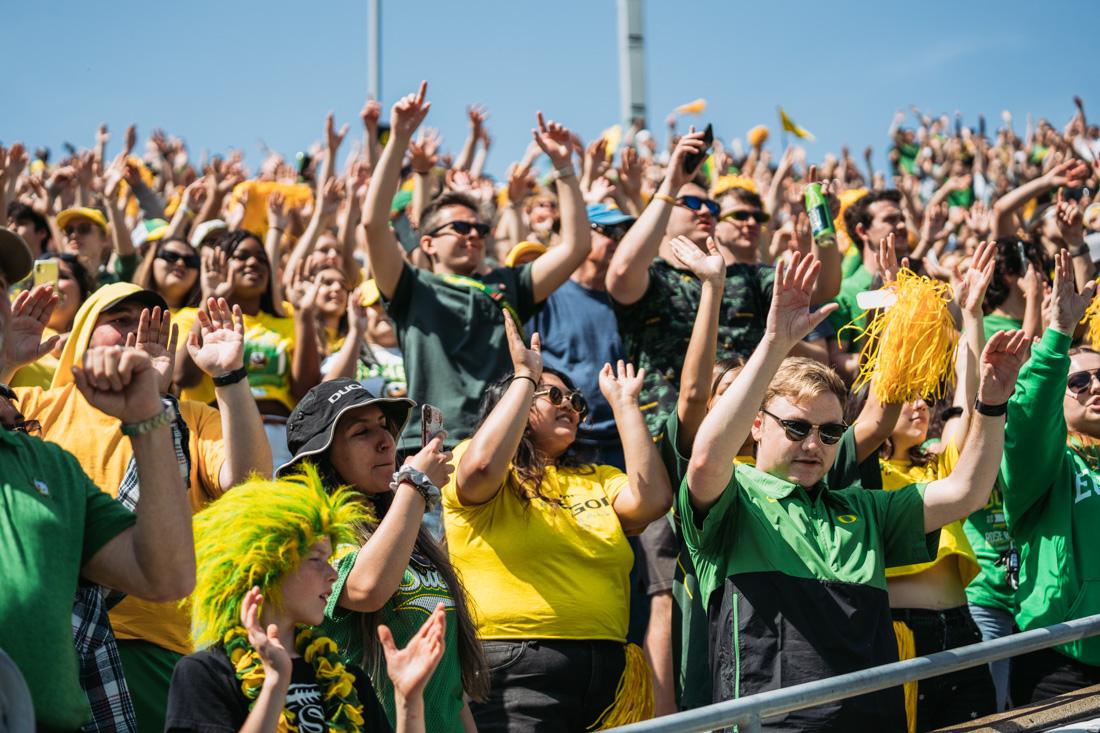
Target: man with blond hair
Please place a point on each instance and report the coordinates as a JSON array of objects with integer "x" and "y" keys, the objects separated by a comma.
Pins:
[{"x": 791, "y": 570}]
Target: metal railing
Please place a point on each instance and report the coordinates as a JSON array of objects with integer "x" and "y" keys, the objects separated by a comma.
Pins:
[{"x": 748, "y": 712}]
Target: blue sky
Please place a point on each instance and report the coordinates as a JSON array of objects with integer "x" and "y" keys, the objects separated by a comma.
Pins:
[{"x": 231, "y": 73}]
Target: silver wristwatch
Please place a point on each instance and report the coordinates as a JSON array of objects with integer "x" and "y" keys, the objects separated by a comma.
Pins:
[{"x": 419, "y": 481}]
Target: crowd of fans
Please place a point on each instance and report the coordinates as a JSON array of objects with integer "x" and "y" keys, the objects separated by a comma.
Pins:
[{"x": 676, "y": 465}]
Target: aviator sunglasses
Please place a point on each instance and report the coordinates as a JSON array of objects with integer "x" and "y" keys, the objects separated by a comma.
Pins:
[{"x": 798, "y": 430}]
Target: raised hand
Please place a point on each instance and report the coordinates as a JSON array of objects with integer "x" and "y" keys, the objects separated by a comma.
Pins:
[
  {"x": 1069, "y": 173},
  {"x": 214, "y": 276},
  {"x": 630, "y": 172},
  {"x": 130, "y": 141},
  {"x": 276, "y": 211},
  {"x": 1067, "y": 305},
  {"x": 217, "y": 346},
  {"x": 409, "y": 669},
  {"x": 1070, "y": 220},
  {"x": 888, "y": 260},
  {"x": 789, "y": 318},
  {"x": 302, "y": 293},
  {"x": 333, "y": 138},
  {"x": 555, "y": 140},
  {"x": 525, "y": 362},
  {"x": 157, "y": 337},
  {"x": 621, "y": 385},
  {"x": 1002, "y": 358},
  {"x": 477, "y": 115},
  {"x": 273, "y": 654},
  {"x": 370, "y": 114},
  {"x": 433, "y": 460},
  {"x": 358, "y": 320},
  {"x": 409, "y": 112},
  {"x": 424, "y": 152},
  {"x": 332, "y": 194},
  {"x": 520, "y": 182},
  {"x": 595, "y": 159},
  {"x": 803, "y": 239},
  {"x": 707, "y": 266},
  {"x": 30, "y": 313},
  {"x": 687, "y": 145},
  {"x": 120, "y": 382},
  {"x": 970, "y": 286}
]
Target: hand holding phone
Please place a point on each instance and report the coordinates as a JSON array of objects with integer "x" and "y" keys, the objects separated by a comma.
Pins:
[
  {"x": 692, "y": 160},
  {"x": 46, "y": 273},
  {"x": 431, "y": 423}
]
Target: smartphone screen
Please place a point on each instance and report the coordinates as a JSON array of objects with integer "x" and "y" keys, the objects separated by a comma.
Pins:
[
  {"x": 431, "y": 422},
  {"x": 45, "y": 273},
  {"x": 692, "y": 161}
]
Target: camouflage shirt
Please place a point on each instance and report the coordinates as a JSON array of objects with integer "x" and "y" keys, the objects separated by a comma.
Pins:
[{"x": 656, "y": 330}]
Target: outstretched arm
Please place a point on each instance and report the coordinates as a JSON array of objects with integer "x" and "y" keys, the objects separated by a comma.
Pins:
[
  {"x": 966, "y": 489},
  {"x": 727, "y": 425},
  {"x": 550, "y": 271},
  {"x": 1069, "y": 173},
  {"x": 628, "y": 274},
  {"x": 387, "y": 258}
]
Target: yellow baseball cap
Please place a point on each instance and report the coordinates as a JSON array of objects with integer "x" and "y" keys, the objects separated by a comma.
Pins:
[
  {"x": 521, "y": 253},
  {"x": 68, "y": 215}
]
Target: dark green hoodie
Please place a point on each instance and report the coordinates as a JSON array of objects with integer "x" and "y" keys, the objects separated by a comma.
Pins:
[{"x": 1052, "y": 501}]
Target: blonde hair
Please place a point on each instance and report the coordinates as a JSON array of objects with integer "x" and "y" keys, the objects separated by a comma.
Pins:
[{"x": 799, "y": 378}]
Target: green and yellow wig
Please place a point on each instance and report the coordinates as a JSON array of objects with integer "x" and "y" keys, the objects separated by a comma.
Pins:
[{"x": 256, "y": 534}]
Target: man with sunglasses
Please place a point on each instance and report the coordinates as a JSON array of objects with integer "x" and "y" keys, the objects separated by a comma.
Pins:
[
  {"x": 91, "y": 236},
  {"x": 59, "y": 527},
  {"x": 792, "y": 570},
  {"x": 740, "y": 226},
  {"x": 450, "y": 321},
  {"x": 1051, "y": 476},
  {"x": 579, "y": 332},
  {"x": 657, "y": 297}
]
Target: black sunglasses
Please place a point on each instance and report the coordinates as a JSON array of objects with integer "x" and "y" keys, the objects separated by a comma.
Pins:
[
  {"x": 695, "y": 203},
  {"x": 191, "y": 262},
  {"x": 1078, "y": 382},
  {"x": 463, "y": 228},
  {"x": 612, "y": 231},
  {"x": 761, "y": 217},
  {"x": 798, "y": 430},
  {"x": 557, "y": 397}
]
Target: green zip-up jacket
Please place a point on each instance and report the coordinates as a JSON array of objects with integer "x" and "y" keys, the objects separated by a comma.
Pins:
[{"x": 1051, "y": 501}]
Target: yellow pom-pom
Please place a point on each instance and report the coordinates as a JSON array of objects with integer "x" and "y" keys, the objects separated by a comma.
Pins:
[
  {"x": 909, "y": 348},
  {"x": 1092, "y": 335},
  {"x": 758, "y": 136}
]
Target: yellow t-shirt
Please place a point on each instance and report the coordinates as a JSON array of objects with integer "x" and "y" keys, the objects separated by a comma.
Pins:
[
  {"x": 554, "y": 569},
  {"x": 268, "y": 353},
  {"x": 104, "y": 453},
  {"x": 38, "y": 373},
  {"x": 954, "y": 546}
]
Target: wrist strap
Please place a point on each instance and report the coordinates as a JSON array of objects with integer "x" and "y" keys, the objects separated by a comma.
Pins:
[
  {"x": 664, "y": 197},
  {"x": 133, "y": 429},
  {"x": 231, "y": 378},
  {"x": 990, "y": 410}
]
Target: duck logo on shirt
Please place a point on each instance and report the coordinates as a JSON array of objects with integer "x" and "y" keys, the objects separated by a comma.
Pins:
[{"x": 422, "y": 587}]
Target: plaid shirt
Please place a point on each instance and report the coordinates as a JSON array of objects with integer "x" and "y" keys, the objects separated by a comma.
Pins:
[{"x": 100, "y": 666}]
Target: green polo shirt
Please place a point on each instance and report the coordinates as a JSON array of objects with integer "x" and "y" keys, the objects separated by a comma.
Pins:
[
  {"x": 452, "y": 339},
  {"x": 794, "y": 585},
  {"x": 53, "y": 519}
]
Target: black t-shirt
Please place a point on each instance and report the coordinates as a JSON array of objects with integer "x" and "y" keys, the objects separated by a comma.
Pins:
[{"x": 206, "y": 697}]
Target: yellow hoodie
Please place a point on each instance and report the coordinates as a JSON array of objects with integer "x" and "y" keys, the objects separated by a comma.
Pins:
[{"x": 104, "y": 453}]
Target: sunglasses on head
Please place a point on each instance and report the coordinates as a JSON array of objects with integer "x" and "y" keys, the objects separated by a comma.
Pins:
[
  {"x": 798, "y": 430},
  {"x": 761, "y": 217},
  {"x": 189, "y": 261},
  {"x": 557, "y": 397},
  {"x": 463, "y": 228},
  {"x": 1078, "y": 382},
  {"x": 84, "y": 227},
  {"x": 612, "y": 231},
  {"x": 695, "y": 203}
]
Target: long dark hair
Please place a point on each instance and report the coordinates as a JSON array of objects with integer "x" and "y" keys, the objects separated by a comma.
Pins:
[
  {"x": 529, "y": 464},
  {"x": 230, "y": 241},
  {"x": 471, "y": 656},
  {"x": 917, "y": 455},
  {"x": 143, "y": 276}
]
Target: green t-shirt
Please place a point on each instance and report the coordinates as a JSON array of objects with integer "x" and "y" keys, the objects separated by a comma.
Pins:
[
  {"x": 53, "y": 519},
  {"x": 988, "y": 534},
  {"x": 452, "y": 337},
  {"x": 853, "y": 260},
  {"x": 421, "y": 589},
  {"x": 849, "y": 311},
  {"x": 995, "y": 322},
  {"x": 657, "y": 328}
]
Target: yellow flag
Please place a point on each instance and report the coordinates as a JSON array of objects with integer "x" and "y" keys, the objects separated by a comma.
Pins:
[
  {"x": 692, "y": 108},
  {"x": 613, "y": 135},
  {"x": 789, "y": 126}
]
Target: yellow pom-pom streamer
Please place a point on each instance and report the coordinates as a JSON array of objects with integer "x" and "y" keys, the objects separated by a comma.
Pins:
[
  {"x": 633, "y": 697},
  {"x": 909, "y": 348},
  {"x": 1090, "y": 317}
]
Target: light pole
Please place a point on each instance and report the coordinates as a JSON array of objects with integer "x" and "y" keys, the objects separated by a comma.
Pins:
[
  {"x": 374, "y": 50},
  {"x": 631, "y": 61}
]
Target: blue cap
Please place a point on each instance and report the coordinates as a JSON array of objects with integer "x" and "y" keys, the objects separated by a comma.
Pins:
[{"x": 607, "y": 215}]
